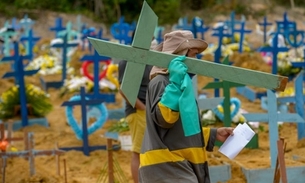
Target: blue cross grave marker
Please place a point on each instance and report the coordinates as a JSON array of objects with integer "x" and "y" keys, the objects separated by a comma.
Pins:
[
  {"x": 57, "y": 84},
  {"x": 299, "y": 100},
  {"x": 285, "y": 25},
  {"x": 7, "y": 35},
  {"x": 199, "y": 27},
  {"x": 96, "y": 59},
  {"x": 58, "y": 26},
  {"x": 19, "y": 75},
  {"x": 220, "y": 33},
  {"x": 85, "y": 148},
  {"x": 273, "y": 117},
  {"x": 242, "y": 32},
  {"x": 265, "y": 24},
  {"x": 121, "y": 31},
  {"x": 275, "y": 49},
  {"x": 31, "y": 40}
]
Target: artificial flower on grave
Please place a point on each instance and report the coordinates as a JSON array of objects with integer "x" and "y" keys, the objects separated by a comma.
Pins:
[
  {"x": 119, "y": 126},
  {"x": 48, "y": 65},
  {"x": 74, "y": 84},
  {"x": 285, "y": 59},
  {"x": 36, "y": 98}
]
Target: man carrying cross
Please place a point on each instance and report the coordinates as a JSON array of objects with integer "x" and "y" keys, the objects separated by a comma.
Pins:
[{"x": 175, "y": 145}]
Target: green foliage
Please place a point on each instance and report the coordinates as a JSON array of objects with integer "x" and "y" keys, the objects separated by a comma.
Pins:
[
  {"x": 167, "y": 11},
  {"x": 119, "y": 126},
  {"x": 38, "y": 100}
]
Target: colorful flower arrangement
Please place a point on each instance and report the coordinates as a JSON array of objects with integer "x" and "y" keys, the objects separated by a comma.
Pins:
[
  {"x": 48, "y": 65},
  {"x": 35, "y": 97}
]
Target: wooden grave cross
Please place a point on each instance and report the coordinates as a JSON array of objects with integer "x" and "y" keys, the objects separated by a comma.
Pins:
[
  {"x": 280, "y": 168},
  {"x": 225, "y": 85},
  {"x": 184, "y": 25},
  {"x": 7, "y": 35},
  {"x": 26, "y": 23},
  {"x": 31, "y": 40},
  {"x": 96, "y": 59},
  {"x": 285, "y": 25},
  {"x": 275, "y": 50},
  {"x": 273, "y": 117},
  {"x": 15, "y": 24},
  {"x": 19, "y": 75},
  {"x": 138, "y": 55},
  {"x": 199, "y": 27},
  {"x": 231, "y": 24},
  {"x": 299, "y": 100},
  {"x": 242, "y": 32},
  {"x": 57, "y": 84},
  {"x": 30, "y": 153},
  {"x": 265, "y": 24},
  {"x": 220, "y": 33},
  {"x": 57, "y": 27},
  {"x": 83, "y": 102},
  {"x": 69, "y": 32},
  {"x": 79, "y": 26},
  {"x": 8, "y": 137},
  {"x": 120, "y": 31}
]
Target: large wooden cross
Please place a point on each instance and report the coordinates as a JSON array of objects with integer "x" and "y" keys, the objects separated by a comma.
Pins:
[{"x": 138, "y": 55}]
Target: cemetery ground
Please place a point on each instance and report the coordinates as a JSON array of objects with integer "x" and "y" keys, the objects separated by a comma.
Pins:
[{"x": 83, "y": 169}]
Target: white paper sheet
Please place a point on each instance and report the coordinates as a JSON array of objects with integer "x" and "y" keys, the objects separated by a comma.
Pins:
[{"x": 235, "y": 143}]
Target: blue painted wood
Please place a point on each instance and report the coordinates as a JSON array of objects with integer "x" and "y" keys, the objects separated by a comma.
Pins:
[
  {"x": 198, "y": 27},
  {"x": 224, "y": 170},
  {"x": 292, "y": 37},
  {"x": 7, "y": 39},
  {"x": 26, "y": 24},
  {"x": 275, "y": 50},
  {"x": 299, "y": 100},
  {"x": 264, "y": 175},
  {"x": 231, "y": 25},
  {"x": 121, "y": 31},
  {"x": 265, "y": 24},
  {"x": 158, "y": 34},
  {"x": 68, "y": 32},
  {"x": 19, "y": 75},
  {"x": 96, "y": 59},
  {"x": 272, "y": 117},
  {"x": 242, "y": 31},
  {"x": 86, "y": 149},
  {"x": 285, "y": 25},
  {"x": 17, "y": 125},
  {"x": 30, "y": 40},
  {"x": 183, "y": 24},
  {"x": 57, "y": 27},
  {"x": 249, "y": 93},
  {"x": 15, "y": 25},
  {"x": 65, "y": 45},
  {"x": 218, "y": 32}
]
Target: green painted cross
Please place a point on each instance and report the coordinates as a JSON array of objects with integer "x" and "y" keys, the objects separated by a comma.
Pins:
[
  {"x": 138, "y": 55},
  {"x": 225, "y": 85}
]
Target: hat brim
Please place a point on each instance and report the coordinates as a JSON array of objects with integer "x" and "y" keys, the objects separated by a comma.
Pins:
[{"x": 201, "y": 45}]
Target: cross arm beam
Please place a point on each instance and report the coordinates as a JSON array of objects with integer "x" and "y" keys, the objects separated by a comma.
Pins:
[{"x": 200, "y": 67}]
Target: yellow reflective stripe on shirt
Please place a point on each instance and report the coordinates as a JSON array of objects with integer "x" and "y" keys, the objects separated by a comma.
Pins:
[
  {"x": 206, "y": 135},
  {"x": 194, "y": 155},
  {"x": 169, "y": 115}
]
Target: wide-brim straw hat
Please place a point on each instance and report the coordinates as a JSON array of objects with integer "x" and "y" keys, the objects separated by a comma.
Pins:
[{"x": 179, "y": 42}]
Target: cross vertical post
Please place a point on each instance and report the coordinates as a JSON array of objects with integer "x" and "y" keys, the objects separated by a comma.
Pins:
[
  {"x": 30, "y": 42},
  {"x": 58, "y": 26},
  {"x": 64, "y": 46},
  {"x": 83, "y": 102},
  {"x": 265, "y": 24},
  {"x": 19, "y": 74},
  {"x": 96, "y": 59}
]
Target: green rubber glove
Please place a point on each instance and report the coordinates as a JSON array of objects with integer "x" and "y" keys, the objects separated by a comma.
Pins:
[{"x": 177, "y": 71}]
